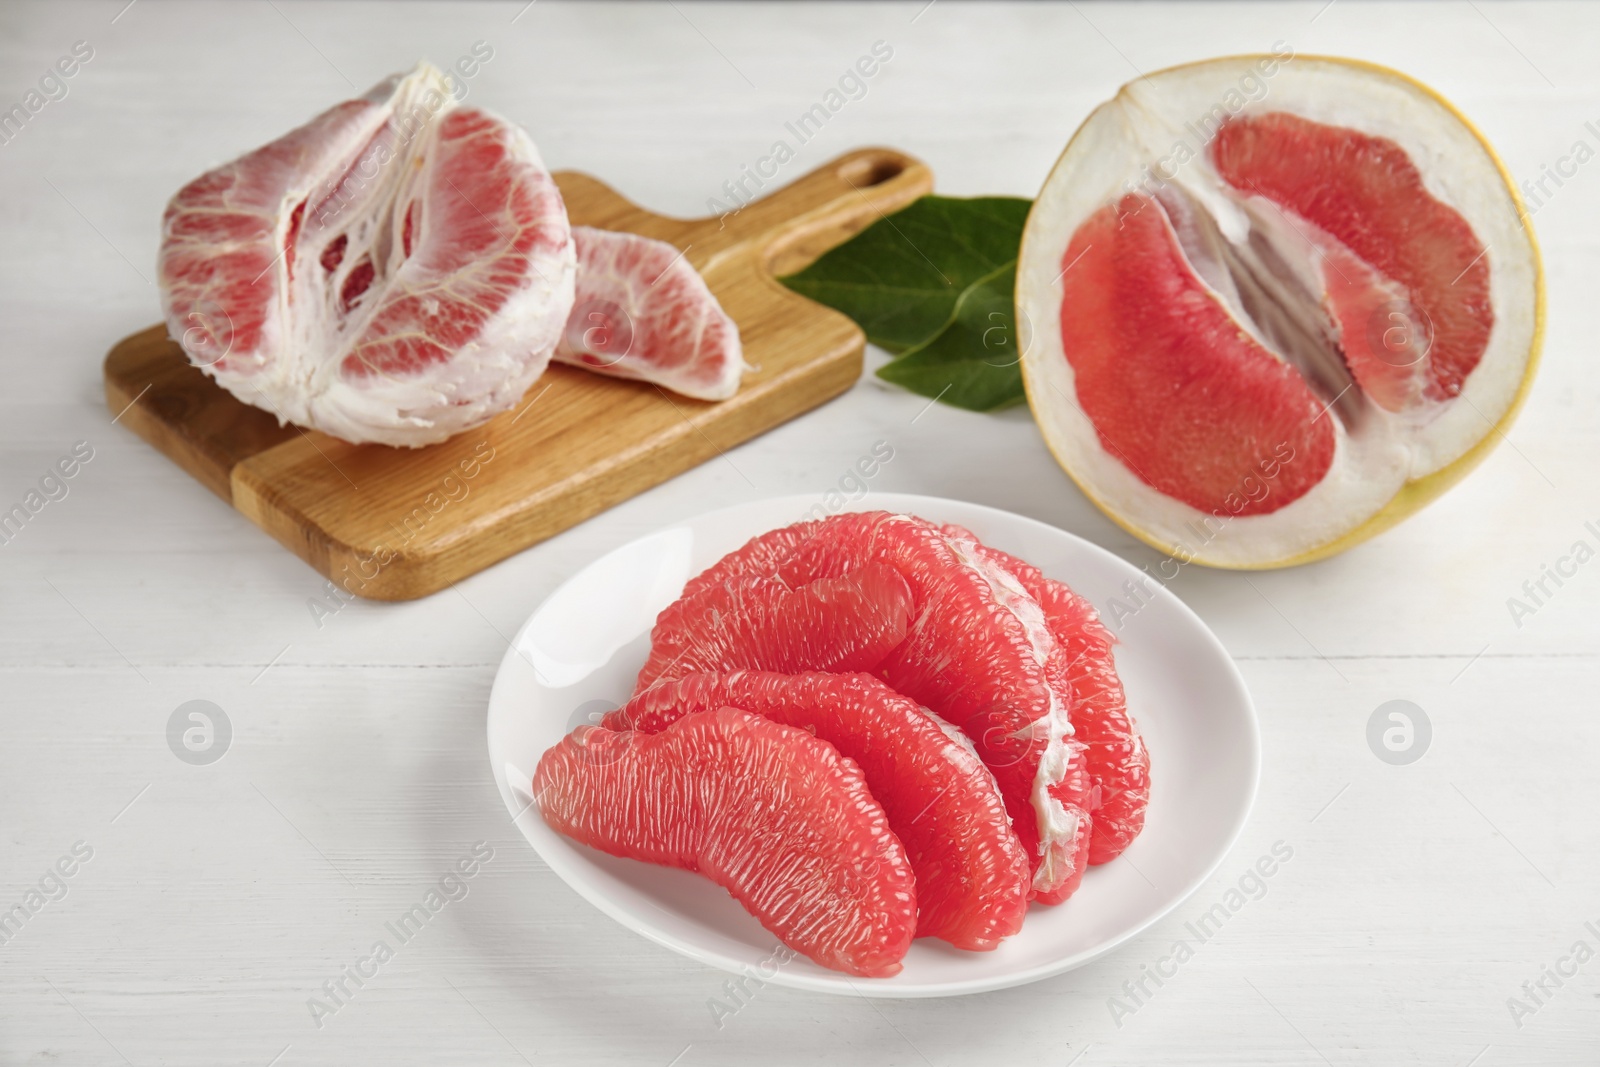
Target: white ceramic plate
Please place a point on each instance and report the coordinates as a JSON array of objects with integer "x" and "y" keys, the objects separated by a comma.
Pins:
[{"x": 578, "y": 655}]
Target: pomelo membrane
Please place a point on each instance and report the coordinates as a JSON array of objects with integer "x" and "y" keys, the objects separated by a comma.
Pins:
[{"x": 1270, "y": 305}]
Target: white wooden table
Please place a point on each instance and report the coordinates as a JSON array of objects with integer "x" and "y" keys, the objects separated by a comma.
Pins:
[{"x": 219, "y": 898}]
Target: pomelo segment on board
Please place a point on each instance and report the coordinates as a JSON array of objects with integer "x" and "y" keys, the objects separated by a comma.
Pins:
[
  {"x": 767, "y": 811},
  {"x": 941, "y": 801},
  {"x": 642, "y": 311},
  {"x": 976, "y": 653},
  {"x": 396, "y": 270},
  {"x": 1270, "y": 305}
]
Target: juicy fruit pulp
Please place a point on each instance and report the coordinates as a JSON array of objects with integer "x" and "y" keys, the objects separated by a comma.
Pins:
[
  {"x": 1022, "y": 769},
  {"x": 768, "y": 812},
  {"x": 1299, "y": 324},
  {"x": 1118, "y": 765},
  {"x": 396, "y": 270},
  {"x": 643, "y": 312},
  {"x": 844, "y": 623},
  {"x": 975, "y": 653},
  {"x": 1388, "y": 243},
  {"x": 1225, "y": 402},
  {"x": 971, "y": 873}
]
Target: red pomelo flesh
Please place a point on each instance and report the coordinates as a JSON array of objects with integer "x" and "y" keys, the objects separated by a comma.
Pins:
[
  {"x": 972, "y": 875},
  {"x": 1384, "y": 338},
  {"x": 1118, "y": 763},
  {"x": 1366, "y": 194},
  {"x": 1191, "y": 403},
  {"x": 643, "y": 312},
  {"x": 1073, "y": 787},
  {"x": 773, "y": 815},
  {"x": 396, "y": 270},
  {"x": 967, "y": 656},
  {"x": 844, "y": 623}
]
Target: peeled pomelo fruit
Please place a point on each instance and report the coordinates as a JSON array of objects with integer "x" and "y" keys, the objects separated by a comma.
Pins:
[
  {"x": 844, "y": 623},
  {"x": 642, "y": 311},
  {"x": 773, "y": 815},
  {"x": 396, "y": 270},
  {"x": 975, "y": 653},
  {"x": 1270, "y": 306},
  {"x": 941, "y": 801},
  {"x": 1118, "y": 763}
]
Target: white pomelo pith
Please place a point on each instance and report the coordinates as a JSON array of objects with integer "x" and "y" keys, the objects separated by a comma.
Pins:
[{"x": 1271, "y": 305}]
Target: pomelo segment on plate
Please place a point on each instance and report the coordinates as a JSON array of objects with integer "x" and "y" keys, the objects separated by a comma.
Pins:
[
  {"x": 845, "y": 623},
  {"x": 396, "y": 270},
  {"x": 964, "y": 739},
  {"x": 976, "y": 653},
  {"x": 1118, "y": 763},
  {"x": 941, "y": 801},
  {"x": 767, "y": 811},
  {"x": 642, "y": 311},
  {"x": 1270, "y": 305}
]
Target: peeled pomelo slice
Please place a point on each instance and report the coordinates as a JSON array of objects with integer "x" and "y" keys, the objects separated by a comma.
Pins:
[
  {"x": 941, "y": 801},
  {"x": 1118, "y": 763},
  {"x": 396, "y": 270},
  {"x": 642, "y": 311},
  {"x": 1064, "y": 764},
  {"x": 1270, "y": 306},
  {"x": 975, "y": 653},
  {"x": 773, "y": 815},
  {"x": 847, "y": 623}
]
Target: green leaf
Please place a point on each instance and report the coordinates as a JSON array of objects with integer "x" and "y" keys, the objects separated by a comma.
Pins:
[
  {"x": 973, "y": 362},
  {"x": 933, "y": 285}
]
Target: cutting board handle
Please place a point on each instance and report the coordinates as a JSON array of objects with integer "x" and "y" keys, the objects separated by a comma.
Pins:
[{"x": 799, "y": 222}]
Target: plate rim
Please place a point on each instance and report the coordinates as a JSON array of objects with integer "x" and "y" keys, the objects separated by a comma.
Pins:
[{"x": 905, "y": 503}]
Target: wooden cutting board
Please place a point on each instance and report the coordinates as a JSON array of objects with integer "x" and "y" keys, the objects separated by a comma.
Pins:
[{"x": 394, "y": 523}]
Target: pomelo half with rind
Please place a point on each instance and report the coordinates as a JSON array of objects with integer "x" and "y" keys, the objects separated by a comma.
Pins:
[{"x": 1271, "y": 305}]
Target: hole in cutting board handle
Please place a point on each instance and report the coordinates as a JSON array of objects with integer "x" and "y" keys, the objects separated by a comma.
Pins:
[{"x": 865, "y": 173}]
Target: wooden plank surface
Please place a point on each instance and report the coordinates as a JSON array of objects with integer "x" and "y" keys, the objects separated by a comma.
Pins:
[{"x": 395, "y": 524}]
